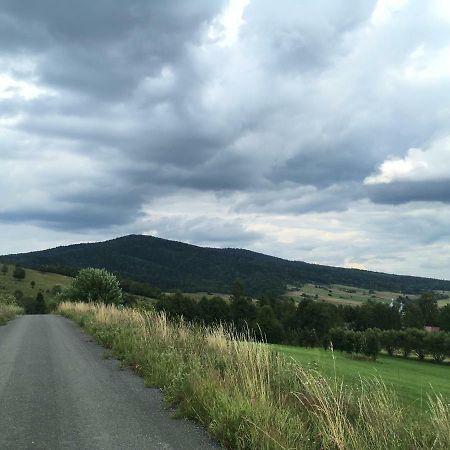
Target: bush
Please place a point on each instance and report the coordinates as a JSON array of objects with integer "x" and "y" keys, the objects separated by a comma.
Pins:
[
  {"x": 19, "y": 273},
  {"x": 95, "y": 285}
]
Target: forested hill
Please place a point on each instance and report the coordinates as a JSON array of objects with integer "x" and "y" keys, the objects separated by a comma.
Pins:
[{"x": 173, "y": 265}]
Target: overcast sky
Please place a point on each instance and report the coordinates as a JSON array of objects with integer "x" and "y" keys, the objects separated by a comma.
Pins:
[{"x": 317, "y": 131}]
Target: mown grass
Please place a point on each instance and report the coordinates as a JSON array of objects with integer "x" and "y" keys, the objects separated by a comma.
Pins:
[
  {"x": 412, "y": 380},
  {"x": 250, "y": 397}
]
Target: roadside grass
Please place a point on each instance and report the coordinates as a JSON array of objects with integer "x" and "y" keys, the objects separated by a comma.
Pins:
[
  {"x": 8, "y": 312},
  {"x": 412, "y": 380},
  {"x": 251, "y": 397}
]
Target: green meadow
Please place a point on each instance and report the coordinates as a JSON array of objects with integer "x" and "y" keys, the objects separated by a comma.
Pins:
[
  {"x": 33, "y": 282},
  {"x": 413, "y": 380}
]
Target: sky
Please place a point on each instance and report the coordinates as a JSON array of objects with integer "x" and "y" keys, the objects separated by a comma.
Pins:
[{"x": 314, "y": 131}]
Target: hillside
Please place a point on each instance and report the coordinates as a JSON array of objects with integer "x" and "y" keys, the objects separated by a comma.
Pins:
[
  {"x": 33, "y": 283},
  {"x": 173, "y": 265}
]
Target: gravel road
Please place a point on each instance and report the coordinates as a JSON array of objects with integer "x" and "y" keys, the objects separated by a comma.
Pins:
[{"x": 58, "y": 392}]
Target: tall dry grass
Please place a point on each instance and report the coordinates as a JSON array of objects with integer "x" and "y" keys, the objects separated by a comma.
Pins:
[
  {"x": 249, "y": 397},
  {"x": 8, "y": 312}
]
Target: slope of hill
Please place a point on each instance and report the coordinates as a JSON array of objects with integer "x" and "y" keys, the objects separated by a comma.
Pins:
[
  {"x": 175, "y": 265},
  {"x": 34, "y": 282}
]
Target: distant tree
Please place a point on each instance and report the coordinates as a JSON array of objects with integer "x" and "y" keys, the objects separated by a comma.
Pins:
[
  {"x": 269, "y": 325},
  {"x": 429, "y": 308},
  {"x": 19, "y": 273},
  {"x": 33, "y": 284},
  {"x": 318, "y": 316},
  {"x": 371, "y": 343},
  {"x": 444, "y": 318},
  {"x": 237, "y": 290},
  {"x": 418, "y": 341},
  {"x": 5, "y": 269},
  {"x": 243, "y": 313},
  {"x": 389, "y": 341},
  {"x": 214, "y": 310},
  {"x": 95, "y": 285},
  {"x": 406, "y": 342},
  {"x": 413, "y": 317},
  {"x": 39, "y": 307},
  {"x": 438, "y": 344},
  {"x": 336, "y": 337}
]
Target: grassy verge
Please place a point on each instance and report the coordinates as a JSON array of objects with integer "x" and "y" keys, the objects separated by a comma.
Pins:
[
  {"x": 8, "y": 312},
  {"x": 250, "y": 397}
]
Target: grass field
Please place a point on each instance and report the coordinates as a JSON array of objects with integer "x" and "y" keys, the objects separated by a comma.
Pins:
[
  {"x": 44, "y": 282},
  {"x": 346, "y": 295},
  {"x": 413, "y": 380}
]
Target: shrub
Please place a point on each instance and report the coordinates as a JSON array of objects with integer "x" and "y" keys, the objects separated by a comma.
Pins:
[
  {"x": 19, "y": 273},
  {"x": 95, "y": 285}
]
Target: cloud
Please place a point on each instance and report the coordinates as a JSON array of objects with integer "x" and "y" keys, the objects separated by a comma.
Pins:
[
  {"x": 252, "y": 119},
  {"x": 418, "y": 165}
]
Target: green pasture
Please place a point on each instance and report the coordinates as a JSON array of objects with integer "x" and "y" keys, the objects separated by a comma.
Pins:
[{"x": 413, "y": 380}]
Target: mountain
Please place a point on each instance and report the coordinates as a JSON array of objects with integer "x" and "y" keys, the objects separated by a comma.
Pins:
[{"x": 172, "y": 265}]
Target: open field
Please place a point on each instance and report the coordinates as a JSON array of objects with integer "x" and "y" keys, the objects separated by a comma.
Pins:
[
  {"x": 346, "y": 295},
  {"x": 413, "y": 380},
  {"x": 44, "y": 282},
  {"x": 339, "y": 294}
]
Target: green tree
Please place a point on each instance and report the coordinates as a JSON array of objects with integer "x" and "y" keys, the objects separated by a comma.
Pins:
[
  {"x": 32, "y": 284},
  {"x": 389, "y": 341},
  {"x": 95, "y": 285},
  {"x": 371, "y": 343},
  {"x": 237, "y": 290},
  {"x": 39, "y": 306},
  {"x": 418, "y": 342},
  {"x": 405, "y": 342},
  {"x": 429, "y": 308},
  {"x": 444, "y": 318},
  {"x": 269, "y": 325},
  {"x": 5, "y": 269},
  {"x": 19, "y": 273},
  {"x": 438, "y": 345},
  {"x": 214, "y": 310},
  {"x": 413, "y": 317}
]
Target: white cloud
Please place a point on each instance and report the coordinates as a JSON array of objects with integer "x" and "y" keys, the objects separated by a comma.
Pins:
[
  {"x": 417, "y": 165},
  {"x": 11, "y": 87}
]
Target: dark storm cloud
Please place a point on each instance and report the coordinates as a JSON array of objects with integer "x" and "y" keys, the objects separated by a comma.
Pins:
[
  {"x": 140, "y": 102},
  {"x": 410, "y": 191}
]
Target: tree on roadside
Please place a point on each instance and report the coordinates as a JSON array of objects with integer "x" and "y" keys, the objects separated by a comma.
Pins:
[
  {"x": 39, "y": 304},
  {"x": 95, "y": 285}
]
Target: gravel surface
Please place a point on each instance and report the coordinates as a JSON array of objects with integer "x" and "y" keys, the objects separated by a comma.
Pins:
[{"x": 58, "y": 392}]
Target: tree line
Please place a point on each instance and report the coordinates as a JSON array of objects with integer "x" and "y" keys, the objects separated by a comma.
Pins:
[{"x": 362, "y": 329}]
